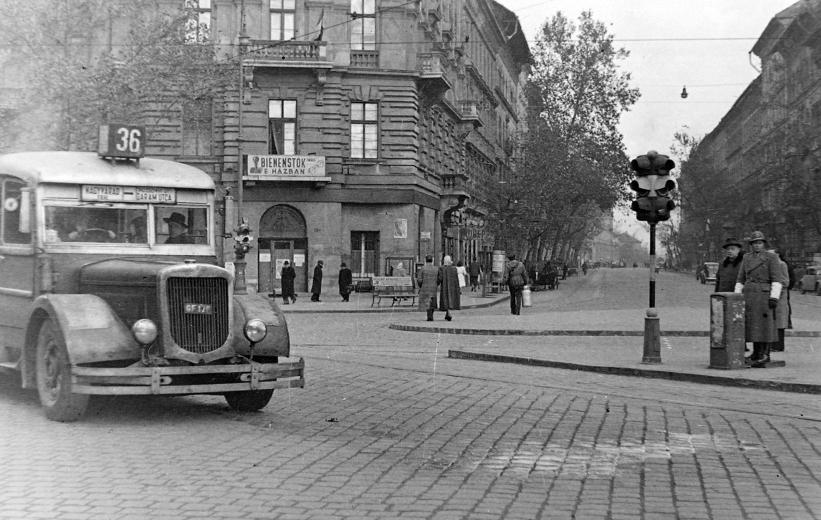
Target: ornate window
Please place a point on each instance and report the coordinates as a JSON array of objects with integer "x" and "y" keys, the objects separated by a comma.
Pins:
[
  {"x": 282, "y": 19},
  {"x": 364, "y": 130},
  {"x": 282, "y": 126},
  {"x": 198, "y": 25},
  {"x": 363, "y": 26}
]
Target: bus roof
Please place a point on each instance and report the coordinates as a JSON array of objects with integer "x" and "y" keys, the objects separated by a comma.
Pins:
[{"x": 88, "y": 168}]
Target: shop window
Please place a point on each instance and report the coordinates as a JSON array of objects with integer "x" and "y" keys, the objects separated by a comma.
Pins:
[{"x": 364, "y": 253}]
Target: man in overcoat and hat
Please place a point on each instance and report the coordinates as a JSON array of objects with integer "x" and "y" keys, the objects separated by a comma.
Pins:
[
  {"x": 728, "y": 269},
  {"x": 760, "y": 281},
  {"x": 427, "y": 287}
]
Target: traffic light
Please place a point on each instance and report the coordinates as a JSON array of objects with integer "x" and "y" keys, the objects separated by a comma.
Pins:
[
  {"x": 243, "y": 239},
  {"x": 653, "y": 187}
]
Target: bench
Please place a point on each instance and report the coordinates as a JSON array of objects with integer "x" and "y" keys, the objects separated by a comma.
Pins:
[
  {"x": 397, "y": 288},
  {"x": 362, "y": 284}
]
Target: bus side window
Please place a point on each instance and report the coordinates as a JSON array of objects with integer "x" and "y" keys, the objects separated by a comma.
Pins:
[{"x": 10, "y": 216}]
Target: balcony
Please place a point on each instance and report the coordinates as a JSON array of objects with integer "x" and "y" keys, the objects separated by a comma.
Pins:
[
  {"x": 433, "y": 82},
  {"x": 286, "y": 54},
  {"x": 454, "y": 191},
  {"x": 365, "y": 59},
  {"x": 470, "y": 113}
]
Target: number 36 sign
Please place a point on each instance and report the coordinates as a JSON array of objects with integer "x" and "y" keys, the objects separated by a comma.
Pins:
[{"x": 121, "y": 141}]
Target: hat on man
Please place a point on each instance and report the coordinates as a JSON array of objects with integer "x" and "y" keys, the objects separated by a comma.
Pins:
[
  {"x": 176, "y": 218},
  {"x": 732, "y": 241},
  {"x": 756, "y": 236}
]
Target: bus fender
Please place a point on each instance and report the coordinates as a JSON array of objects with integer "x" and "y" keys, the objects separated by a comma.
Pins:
[
  {"x": 277, "y": 342},
  {"x": 90, "y": 329}
]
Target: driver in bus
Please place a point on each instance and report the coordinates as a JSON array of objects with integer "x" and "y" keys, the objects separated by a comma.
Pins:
[
  {"x": 178, "y": 230},
  {"x": 83, "y": 233}
]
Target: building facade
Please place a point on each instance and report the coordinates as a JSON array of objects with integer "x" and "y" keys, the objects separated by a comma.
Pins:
[
  {"x": 370, "y": 132},
  {"x": 761, "y": 163},
  {"x": 366, "y": 132}
]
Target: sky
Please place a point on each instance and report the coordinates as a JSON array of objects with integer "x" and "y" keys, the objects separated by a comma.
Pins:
[{"x": 701, "y": 44}]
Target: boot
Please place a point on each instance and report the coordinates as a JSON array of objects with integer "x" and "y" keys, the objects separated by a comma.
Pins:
[
  {"x": 430, "y": 314},
  {"x": 448, "y": 316},
  {"x": 761, "y": 354}
]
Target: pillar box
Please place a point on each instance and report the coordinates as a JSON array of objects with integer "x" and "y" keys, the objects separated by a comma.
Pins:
[{"x": 727, "y": 331}]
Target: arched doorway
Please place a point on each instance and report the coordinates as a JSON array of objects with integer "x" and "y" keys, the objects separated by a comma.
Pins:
[{"x": 283, "y": 236}]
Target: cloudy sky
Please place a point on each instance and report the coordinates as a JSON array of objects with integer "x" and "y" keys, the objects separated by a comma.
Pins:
[{"x": 703, "y": 44}]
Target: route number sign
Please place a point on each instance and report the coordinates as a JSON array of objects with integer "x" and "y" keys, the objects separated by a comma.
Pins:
[{"x": 121, "y": 141}]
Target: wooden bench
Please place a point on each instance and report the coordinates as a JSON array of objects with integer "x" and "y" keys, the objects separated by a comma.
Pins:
[
  {"x": 397, "y": 288},
  {"x": 362, "y": 284}
]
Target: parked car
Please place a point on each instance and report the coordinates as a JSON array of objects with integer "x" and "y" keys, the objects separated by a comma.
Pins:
[
  {"x": 707, "y": 272},
  {"x": 811, "y": 281}
]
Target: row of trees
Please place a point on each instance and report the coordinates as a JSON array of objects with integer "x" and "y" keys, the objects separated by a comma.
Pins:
[{"x": 574, "y": 167}]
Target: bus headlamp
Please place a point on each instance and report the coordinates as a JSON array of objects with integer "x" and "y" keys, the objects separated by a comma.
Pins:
[
  {"x": 255, "y": 330},
  {"x": 144, "y": 331}
]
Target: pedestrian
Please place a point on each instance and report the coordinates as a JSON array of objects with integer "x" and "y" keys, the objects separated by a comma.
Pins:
[
  {"x": 462, "y": 273},
  {"x": 515, "y": 277},
  {"x": 449, "y": 292},
  {"x": 474, "y": 272},
  {"x": 345, "y": 282},
  {"x": 584, "y": 267},
  {"x": 760, "y": 281},
  {"x": 316, "y": 284},
  {"x": 727, "y": 272},
  {"x": 428, "y": 277},
  {"x": 783, "y": 313},
  {"x": 286, "y": 277}
]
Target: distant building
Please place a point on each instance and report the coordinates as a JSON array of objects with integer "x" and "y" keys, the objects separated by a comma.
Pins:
[{"x": 765, "y": 154}]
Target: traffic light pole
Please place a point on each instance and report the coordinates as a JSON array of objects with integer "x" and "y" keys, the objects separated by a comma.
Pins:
[{"x": 652, "y": 331}]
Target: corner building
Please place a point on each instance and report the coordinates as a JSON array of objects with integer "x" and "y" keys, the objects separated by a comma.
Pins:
[{"x": 364, "y": 131}]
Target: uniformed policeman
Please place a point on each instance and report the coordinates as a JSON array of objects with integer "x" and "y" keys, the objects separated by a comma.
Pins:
[{"x": 761, "y": 281}]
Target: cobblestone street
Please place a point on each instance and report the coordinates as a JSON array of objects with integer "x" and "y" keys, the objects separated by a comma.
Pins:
[{"x": 389, "y": 427}]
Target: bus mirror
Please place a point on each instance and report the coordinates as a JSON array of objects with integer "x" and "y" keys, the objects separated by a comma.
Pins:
[{"x": 25, "y": 210}]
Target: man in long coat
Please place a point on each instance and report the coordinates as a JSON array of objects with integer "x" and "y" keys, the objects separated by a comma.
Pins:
[
  {"x": 449, "y": 293},
  {"x": 760, "y": 280},
  {"x": 316, "y": 285},
  {"x": 286, "y": 276},
  {"x": 427, "y": 287},
  {"x": 345, "y": 282},
  {"x": 727, "y": 272},
  {"x": 783, "y": 313}
]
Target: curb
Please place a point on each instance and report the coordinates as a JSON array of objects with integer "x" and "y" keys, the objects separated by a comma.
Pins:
[
  {"x": 376, "y": 310},
  {"x": 801, "y": 388},
  {"x": 564, "y": 332}
]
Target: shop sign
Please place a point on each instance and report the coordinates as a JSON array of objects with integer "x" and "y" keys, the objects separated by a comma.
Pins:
[{"x": 285, "y": 168}]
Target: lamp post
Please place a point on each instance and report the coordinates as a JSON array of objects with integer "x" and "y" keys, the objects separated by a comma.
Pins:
[{"x": 240, "y": 249}]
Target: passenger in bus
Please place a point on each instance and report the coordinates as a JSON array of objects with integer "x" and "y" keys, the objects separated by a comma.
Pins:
[
  {"x": 178, "y": 230},
  {"x": 137, "y": 232}
]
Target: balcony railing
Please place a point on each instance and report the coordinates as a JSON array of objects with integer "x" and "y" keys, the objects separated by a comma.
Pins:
[
  {"x": 430, "y": 65},
  {"x": 286, "y": 53},
  {"x": 365, "y": 59}
]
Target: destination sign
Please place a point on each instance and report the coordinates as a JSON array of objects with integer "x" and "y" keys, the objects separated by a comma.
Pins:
[{"x": 141, "y": 194}]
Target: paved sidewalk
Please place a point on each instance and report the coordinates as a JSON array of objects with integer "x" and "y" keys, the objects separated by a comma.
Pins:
[
  {"x": 363, "y": 302},
  {"x": 605, "y": 341}
]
